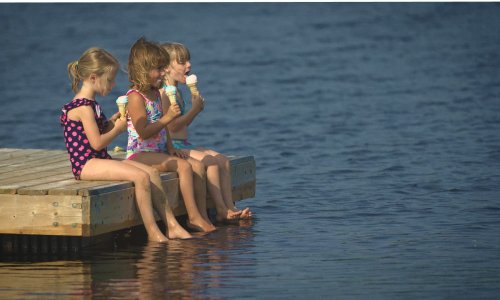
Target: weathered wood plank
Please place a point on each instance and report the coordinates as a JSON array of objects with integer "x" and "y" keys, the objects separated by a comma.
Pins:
[
  {"x": 49, "y": 163},
  {"x": 13, "y": 188},
  {"x": 24, "y": 176},
  {"x": 13, "y": 154},
  {"x": 50, "y": 215},
  {"x": 52, "y": 188}
]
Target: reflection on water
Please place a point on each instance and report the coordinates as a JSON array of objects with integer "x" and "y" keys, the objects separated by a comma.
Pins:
[
  {"x": 44, "y": 280},
  {"x": 181, "y": 269},
  {"x": 185, "y": 269}
]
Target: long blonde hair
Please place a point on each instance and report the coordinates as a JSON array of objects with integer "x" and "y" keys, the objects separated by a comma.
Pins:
[
  {"x": 177, "y": 51},
  {"x": 93, "y": 61},
  {"x": 144, "y": 57}
]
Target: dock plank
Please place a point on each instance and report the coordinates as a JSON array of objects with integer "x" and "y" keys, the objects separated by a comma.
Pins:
[
  {"x": 12, "y": 154},
  {"x": 14, "y": 187},
  {"x": 28, "y": 165}
]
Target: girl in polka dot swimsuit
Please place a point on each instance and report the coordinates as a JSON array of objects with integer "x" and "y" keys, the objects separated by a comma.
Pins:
[{"x": 87, "y": 133}]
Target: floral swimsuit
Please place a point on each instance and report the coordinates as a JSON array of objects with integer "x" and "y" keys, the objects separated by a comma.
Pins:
[{"x": 156, "y": 143}]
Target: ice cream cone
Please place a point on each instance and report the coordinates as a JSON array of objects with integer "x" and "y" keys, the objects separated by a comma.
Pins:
[
  {"x": 191, "y": 82},
  {"x": 122, "y": 102},
  {"x": 171, "y": 92},
  {"x": 194, "y": 90}
]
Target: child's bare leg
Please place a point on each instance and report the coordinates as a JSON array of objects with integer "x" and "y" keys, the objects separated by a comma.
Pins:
[
  {"x": 213, "y": 185},
  {"x": 108, "y": 169},
  {"x": 225, "y": 178},
  {"x": 196, "y": 220},
  {"x": 199, "y": 184},
  {"x": 163, "y": 162},
  {"x": 160, "y": 202}
]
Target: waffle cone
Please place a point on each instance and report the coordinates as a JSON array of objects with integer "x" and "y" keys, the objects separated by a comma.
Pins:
[
  {"x": 122, "y": 108},
  {"x": 172, "y": 98},
  {"x": 194, "y": 90}
]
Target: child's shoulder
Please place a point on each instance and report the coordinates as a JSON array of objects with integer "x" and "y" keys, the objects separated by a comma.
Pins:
[{"x": 78, "y": 102}]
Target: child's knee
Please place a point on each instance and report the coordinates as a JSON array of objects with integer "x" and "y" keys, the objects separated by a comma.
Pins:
[
  {"x": 142, "y": 180},
  {"x": 153, "y": 173},
  {"x": 198, "y": 168},
  {"x": 184, "y": 166},
  {"x": 223, "y": 161},
  {"x": 209, "y": 160}
]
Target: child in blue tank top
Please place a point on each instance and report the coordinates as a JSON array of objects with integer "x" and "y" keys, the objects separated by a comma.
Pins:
[{"x": 217, "y": 165}]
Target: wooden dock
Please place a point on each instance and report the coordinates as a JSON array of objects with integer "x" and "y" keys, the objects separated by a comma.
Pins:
[{"x": 40, "y": 197}]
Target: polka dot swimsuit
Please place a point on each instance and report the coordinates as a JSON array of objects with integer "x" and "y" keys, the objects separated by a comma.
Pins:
[{"x": 77, "y": 143}]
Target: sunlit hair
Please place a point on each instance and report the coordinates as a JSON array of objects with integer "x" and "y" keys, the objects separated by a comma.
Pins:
[
  {"x": 93, "y": 61},
  {"x": 177, "y": 52},
  {"x": 144, "y": 57}
]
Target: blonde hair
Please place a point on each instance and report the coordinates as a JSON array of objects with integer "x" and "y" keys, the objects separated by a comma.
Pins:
[
  {"x": 144, "y": 57},
  {"x": 177, "y": 51},
  {"x": 93, "y": 61}
]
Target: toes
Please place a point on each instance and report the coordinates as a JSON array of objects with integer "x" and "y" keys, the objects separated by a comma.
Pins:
[{"x": 246, "y": 213}]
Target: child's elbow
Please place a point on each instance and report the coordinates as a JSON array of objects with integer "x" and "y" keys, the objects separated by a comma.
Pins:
[
  {"x": 98, "y": 147},
  {"x": 143, "y": 135},
  {"x": 174, "y": 127}
]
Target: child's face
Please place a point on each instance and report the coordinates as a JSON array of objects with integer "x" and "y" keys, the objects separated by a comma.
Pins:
[
  {"x": 156, "y": 77},
  {"x": 105, "y": 83},
  {"x": 178, "y": 71}
]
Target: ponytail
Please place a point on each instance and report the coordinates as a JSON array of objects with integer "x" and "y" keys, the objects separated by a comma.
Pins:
[{"x": 73, "y": 75}]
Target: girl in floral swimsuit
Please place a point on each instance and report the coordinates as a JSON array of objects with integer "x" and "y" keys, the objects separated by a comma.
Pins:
[
  {"x": 87, "y": 133},
  {"x": 147, "y": 126}
]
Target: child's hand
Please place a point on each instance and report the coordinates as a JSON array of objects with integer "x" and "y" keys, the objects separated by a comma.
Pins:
[
  {"x": 198, "y": 102},
  {"x": 115, "y": 117},
  {"x": 181, "y": 153},
  {"x": 173, "y": 111},
  {"x": 120, "y": 125}
]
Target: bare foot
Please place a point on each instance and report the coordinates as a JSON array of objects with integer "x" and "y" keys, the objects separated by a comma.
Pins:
[
  {"x": 230, "y": 216},
  {"x": 177, "y": 232},
  {"x": 200, "y": 225},
  {"x": 245, "y": 213},
  {"x": 159, "y": 238}
]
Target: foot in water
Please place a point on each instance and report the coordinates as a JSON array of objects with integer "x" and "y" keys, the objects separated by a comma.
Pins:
[
  {"x": 230, "y": 216},
  {"x": 159, "y": 238},
  {"x": 178, "y": 233},
  {"x": 201, "y": 226},
  {"x": 245, "y": 213}
]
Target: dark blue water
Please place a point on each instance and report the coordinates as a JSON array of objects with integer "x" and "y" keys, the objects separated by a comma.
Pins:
[{"x": 375, "y": 128}]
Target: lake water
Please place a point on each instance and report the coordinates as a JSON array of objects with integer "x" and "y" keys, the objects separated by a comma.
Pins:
[{"x": 375, "y": 128}]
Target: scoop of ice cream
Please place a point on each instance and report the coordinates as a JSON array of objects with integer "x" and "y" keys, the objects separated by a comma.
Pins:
[
  {"x": 170, "y": 89},
  {"x": 122, "y": 100},
  {"x": 191, "y": 79}
]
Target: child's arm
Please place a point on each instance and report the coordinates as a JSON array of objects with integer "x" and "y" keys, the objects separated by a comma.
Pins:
[
  {"x": 111, "y": 122},
  {"x": 172, "y": 151},
  {"x": 170, "y": 146},
  {"x": 97, "y": 140},
  {"x": 187, "y": 118},
  {"x": 137, "y": 113}
]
